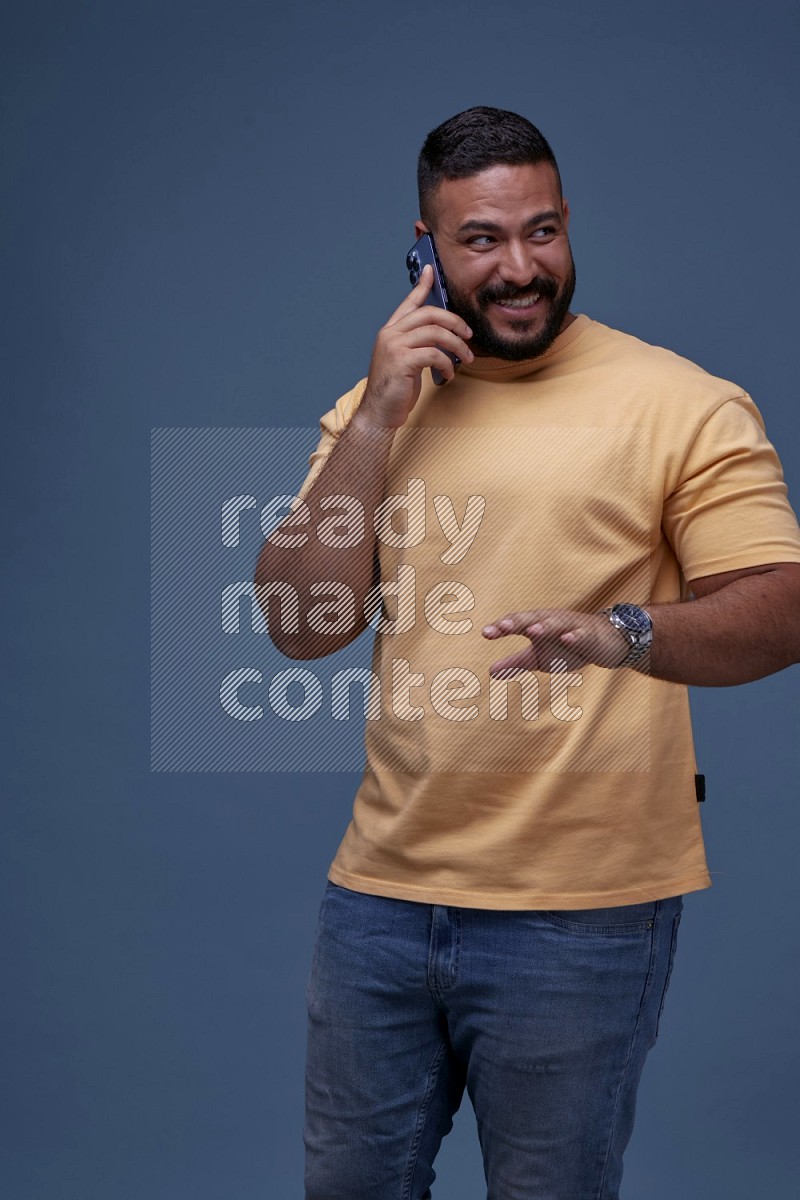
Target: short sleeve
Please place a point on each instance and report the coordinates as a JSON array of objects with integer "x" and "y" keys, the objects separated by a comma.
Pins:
[
  {"x": 729, "y": 508},
  {"x": 331, "y": 425}
]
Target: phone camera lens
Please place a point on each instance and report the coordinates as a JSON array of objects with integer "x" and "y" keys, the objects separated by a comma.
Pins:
[{"x": 410, "y": 260}]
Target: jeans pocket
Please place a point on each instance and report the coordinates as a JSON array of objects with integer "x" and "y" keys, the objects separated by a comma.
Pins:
[{"x": 620, "y": 918}]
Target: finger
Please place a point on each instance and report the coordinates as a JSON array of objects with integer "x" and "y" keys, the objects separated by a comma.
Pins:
[
  {"x": 444, "y": 365},
  {"x": 429, "y": 356},
  {"x": 442, "y": 319},
  {"x": 565, "y": 628},
  {"x": 416, "y": 297},
  {"x": 435, "y": 335},
  {"x": 506, "y": 668},
  {"x": 510, "y": 623}
]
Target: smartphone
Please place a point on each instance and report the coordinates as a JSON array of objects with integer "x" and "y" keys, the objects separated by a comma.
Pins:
[{"x": 422, "y": 253}]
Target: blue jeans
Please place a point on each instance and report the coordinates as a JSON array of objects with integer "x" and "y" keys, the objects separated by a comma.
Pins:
[{"x": 545, "y": 1017}]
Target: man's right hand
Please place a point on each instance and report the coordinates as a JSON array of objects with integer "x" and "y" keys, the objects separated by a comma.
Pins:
[{"x": 408, "y": 342}]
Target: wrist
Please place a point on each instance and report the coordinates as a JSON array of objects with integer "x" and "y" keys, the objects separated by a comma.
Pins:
[{"x": 636, "y": 627}]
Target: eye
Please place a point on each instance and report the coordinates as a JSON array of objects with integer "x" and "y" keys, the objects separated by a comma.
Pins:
[
  {"x": 482, "y": 239},
  {"x": 545, "y": 230}
]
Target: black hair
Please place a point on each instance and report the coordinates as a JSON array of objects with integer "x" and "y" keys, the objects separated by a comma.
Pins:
[{"x": 473, "y": 140}]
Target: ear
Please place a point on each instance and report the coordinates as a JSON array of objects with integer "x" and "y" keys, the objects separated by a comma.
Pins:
[
  {"x": 565, "y": 209},
  {"x": 419, "y": 228}
]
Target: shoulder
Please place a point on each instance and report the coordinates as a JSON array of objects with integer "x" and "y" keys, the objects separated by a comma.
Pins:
[
  {"x": 619, "y": 350},
  {"x": 336, "y": 420},
  {"x": 331, "y": 426},
  {"x": 656, "y": 385}
]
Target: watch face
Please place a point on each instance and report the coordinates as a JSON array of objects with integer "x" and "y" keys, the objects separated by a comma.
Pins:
[{"x": 634, "y": 618}]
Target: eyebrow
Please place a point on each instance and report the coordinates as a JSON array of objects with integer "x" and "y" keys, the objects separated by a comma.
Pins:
[{"x": 549, "y": 214}]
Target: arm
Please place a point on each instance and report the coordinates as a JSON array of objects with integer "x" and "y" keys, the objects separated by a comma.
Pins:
[
  {"x": 356, "y": 471},
  {"x": 741, "y": 625},
  {"x": 356, "y": 468}
]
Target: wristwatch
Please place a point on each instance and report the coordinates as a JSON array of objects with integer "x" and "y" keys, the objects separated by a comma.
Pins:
[{"x": 635, "y": 624}]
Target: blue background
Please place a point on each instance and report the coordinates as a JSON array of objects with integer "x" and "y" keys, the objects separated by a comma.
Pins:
[{"x": 207, "y": 207}]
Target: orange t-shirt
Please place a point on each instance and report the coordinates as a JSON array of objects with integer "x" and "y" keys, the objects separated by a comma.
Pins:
[{"x": 604, "y": 471}]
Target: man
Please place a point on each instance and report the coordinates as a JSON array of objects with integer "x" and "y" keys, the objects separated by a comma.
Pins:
[{"x": 502, "y": 913}]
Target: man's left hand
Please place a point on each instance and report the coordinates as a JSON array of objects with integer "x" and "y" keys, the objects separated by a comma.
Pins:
[{"x": 559, "y": 635}]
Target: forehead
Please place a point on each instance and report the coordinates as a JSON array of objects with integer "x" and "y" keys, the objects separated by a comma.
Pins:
[{"x": 503, "y": 195}]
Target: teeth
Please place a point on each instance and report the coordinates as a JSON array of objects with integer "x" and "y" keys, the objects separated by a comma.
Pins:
[{"x": 521, "y": 302}]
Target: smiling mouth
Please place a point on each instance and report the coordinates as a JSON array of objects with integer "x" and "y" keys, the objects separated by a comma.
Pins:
[{"x": 519, "y": 303}]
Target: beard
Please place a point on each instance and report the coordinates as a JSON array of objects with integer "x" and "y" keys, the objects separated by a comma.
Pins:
[{"x": 487, "y": 341}]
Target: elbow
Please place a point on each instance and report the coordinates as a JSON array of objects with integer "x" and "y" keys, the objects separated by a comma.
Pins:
[
  {"x": 279, "y": 604},
  {"x": 298, "y": 647},
  {"x": 311, "y": 644}
]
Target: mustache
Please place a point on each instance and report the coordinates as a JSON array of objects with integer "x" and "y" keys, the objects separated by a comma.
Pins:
[{"x": 499, "y": 295}]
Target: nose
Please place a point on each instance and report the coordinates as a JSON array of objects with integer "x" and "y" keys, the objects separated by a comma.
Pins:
[{"x": 518, "y": 264}]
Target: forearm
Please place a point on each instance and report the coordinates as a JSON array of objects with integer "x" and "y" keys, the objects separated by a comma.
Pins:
[
  {"x": 355, "y": 471},
  {"x": 741, "y": 626},
  {"x": 743, "y": 631},
  {"x": 415, "y": 337}
]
